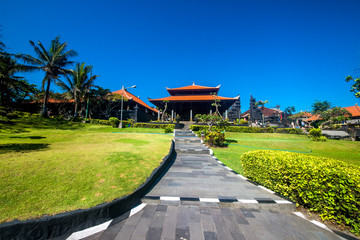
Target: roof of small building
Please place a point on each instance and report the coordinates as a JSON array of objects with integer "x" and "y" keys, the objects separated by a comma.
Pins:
[
  {"x": 130, "y": 96},
  {"x": 268, "y": 112},
  {"x": 354, "y": 110}
]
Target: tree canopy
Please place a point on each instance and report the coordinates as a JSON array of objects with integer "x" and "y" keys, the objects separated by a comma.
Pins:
[{"x": 320, "y": 106}]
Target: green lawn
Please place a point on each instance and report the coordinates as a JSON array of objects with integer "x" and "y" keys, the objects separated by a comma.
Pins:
[
  {"x": 48, "y": 167},
  {"x": 240, "y": 143}
]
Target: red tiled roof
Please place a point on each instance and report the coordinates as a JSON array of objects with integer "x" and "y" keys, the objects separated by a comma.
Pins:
[
  {"x": 130, "y": 96},
  {"x": 192, "y": 98},
  {"x": 51, "y": 100},
  {"x": 313, "y": 118},
  {"x": 354, "y": 110},
  {"x": 268, "y": 112},
  {"x": 194, "y": 87}
]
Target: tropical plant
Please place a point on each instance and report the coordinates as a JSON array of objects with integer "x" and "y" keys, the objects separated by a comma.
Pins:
[
  {"x": 216, "y": 104},
  {"x": 320, "y": 106},
  {"x": 53, "y": 62},
  {"x": 165, "y": 108},
  {"x": 209, "y": 119},
  {"x": 355, "y": 88},
  {"x": 79, "y": 84},
  {"x": 289, "y": 110},
  {"x": 334, "y": 115}
]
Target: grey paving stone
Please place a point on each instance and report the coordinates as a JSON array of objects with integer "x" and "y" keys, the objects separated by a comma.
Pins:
[
  {"x": 247, "y": 213},
  {"x": 161, "y": 208},
  {"x": 182, "y": 234},
  {"x": 210, "y": 236},
  {"x": 112, "y": 232},
  {"x": 169, "y": 226},
  {"x": 153, "y": 233}
]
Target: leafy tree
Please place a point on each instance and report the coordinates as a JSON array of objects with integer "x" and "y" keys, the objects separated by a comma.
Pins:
[
  {"x": 216, "y": 104},
  {"x": 209, "y": 119},
  {"x": 289, "y": 110},
  {"x": 334, "y": 115},
  {"x": 355, "y": 88},
  {"x": 79, "y": 84},
  {"x": 53, "y": 62},
  {"x": 320, "y": 106}
]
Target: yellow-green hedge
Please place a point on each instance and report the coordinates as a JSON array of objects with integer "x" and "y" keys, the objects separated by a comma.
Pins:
[
  {"x": 153, "y": 125},
  {"x": 327, "y": 186}
]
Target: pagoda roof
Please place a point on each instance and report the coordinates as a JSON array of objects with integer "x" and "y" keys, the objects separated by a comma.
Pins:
[
  {"x": 354, "y": 110},
  {"x": 130, "y": 96},
  {"x": 199, "y": 98},
  {"x": 194, "y": 87}
]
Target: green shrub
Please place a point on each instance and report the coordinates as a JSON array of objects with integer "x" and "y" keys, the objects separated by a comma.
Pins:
[
  {"x": 151, "y": 125},
  {"x": 215, "y": 138},
  {"x": 168, "y": 129},
  {"x": 315, "y": 135},
  {"x": 2, "y": 112},
  {"x": 327, "y": 186},
  {"x": 104, "y": 122},
  {"x": 114, "y": 122},
  {"x": 35, "y": 115},
  {"x": 197, "y": 128},
  {"x": 242, "y": 121},
  {"x": 12, "y": 115},
  {"x": 289, "y": 130}
]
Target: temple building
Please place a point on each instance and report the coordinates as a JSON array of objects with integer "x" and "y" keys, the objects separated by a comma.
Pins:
[{"x": 194, "y": 99}]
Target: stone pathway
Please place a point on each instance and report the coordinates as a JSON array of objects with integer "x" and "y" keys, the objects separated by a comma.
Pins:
[{"x": 200, "y": 198}]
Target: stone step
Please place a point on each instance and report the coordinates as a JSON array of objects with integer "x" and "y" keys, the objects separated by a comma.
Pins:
[
  {"x": 187, "y": 140},
  {"x": 208, "y": 202},
  {"x": 185, "y": 135},
  {"x": 192, "y": 151}
]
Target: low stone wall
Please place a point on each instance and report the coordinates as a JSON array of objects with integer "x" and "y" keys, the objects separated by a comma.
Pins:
[{"x": 66, "y": 223}]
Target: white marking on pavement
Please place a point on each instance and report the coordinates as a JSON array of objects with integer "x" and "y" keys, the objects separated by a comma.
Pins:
[
  {"x": 299, "y": 214},
  {"x": 89, "y": 231},
  {"x": 283, "y": 202},
  {"x": 241, "y": 176},
  {"x": 170, "y": 198},
  {"x": 248, "y": 201},
  {"x": 137, "y": 209},
  {"x": 209, "y": 200},
  {"x": 264, "y": 188}
]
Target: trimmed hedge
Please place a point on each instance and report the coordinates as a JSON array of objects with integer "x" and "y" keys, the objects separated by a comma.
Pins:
[
  {"x": 327, "y": 186},
  {"x": 289, "y": 130},
  {"x": 151, "y": 125},
  {"x": 244, "y": 129},
  {"x": 99, "y": 121}
]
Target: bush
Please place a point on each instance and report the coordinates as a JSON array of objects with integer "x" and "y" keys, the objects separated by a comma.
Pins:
[
  {"x": 168, "y": 129},
  {"x": 197, "y": 128},
  {"x": 215, "y": 138},
  {"x": 289, "y": 130},
  {"x": 12, "y": 115},
  {"x": 315, "y": 135},
  {"x": 35, "y": 115},
  {"x": 104, "y": 122},
  {"x": 327, "y": 186},
  {"x": 114, "y": 122},
  {"x": 244, "y": 122},
  {"x": 151, "y": 125}
]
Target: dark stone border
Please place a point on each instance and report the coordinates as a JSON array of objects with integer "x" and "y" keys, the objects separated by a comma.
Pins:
[{"x": 69, "y": 222}]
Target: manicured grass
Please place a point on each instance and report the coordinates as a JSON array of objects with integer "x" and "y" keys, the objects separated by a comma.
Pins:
[
  {"x": 240, "y": 143},
  {"x": 48, "y": 167}
]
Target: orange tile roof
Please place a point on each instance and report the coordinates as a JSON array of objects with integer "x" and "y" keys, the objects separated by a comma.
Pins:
[
  {"x": 130, "y": 96},
  {"x": 192, "y": 98},
  {"x": 354, "y": 110},
  {"x": 193, "y": 87},
  {"x": 313, "y": 118},
  {"x": 51, "y": 100}
]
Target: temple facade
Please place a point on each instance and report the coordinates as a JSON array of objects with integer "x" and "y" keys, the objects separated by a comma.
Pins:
[{"x": 194, "y": 99}]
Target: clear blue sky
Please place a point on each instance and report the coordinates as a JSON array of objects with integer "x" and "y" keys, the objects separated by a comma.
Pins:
[{"x": 288, "y": 52}]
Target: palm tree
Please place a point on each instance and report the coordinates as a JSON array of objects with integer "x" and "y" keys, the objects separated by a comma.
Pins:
[
  {"x": 9, "y": 83},
  {"x": 79, "y": 84},
  {"x": 52, "y": 61}
]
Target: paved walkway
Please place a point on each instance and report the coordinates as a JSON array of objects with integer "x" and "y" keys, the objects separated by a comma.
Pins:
[{"x": 199, "y": 198}]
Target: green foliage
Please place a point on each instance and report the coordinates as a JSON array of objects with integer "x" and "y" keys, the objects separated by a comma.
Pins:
[
  {"x": 290, "y": 110},
  {"x": 114, "y": 122},
  {"x": 326, "y": 186},
  {"x": 244, "y": 122},
  {"x": 289, "y": 130},
  {"x": 209, "y": 119},
  {"x": 215, "y": 138},
  {"x": 151, "y": 125},
  {"x": 168, "y": 129},
  {"x": 320, "y": 106},
  {"x": 315, "y": 135},
  {"x": 355, "y": 88}
]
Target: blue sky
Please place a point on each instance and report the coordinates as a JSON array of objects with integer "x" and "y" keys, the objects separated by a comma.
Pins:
[{"x": 288, "y": 52}]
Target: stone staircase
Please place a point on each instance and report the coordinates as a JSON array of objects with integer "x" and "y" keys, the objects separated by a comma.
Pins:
[{"x": 186, "y": 142}]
